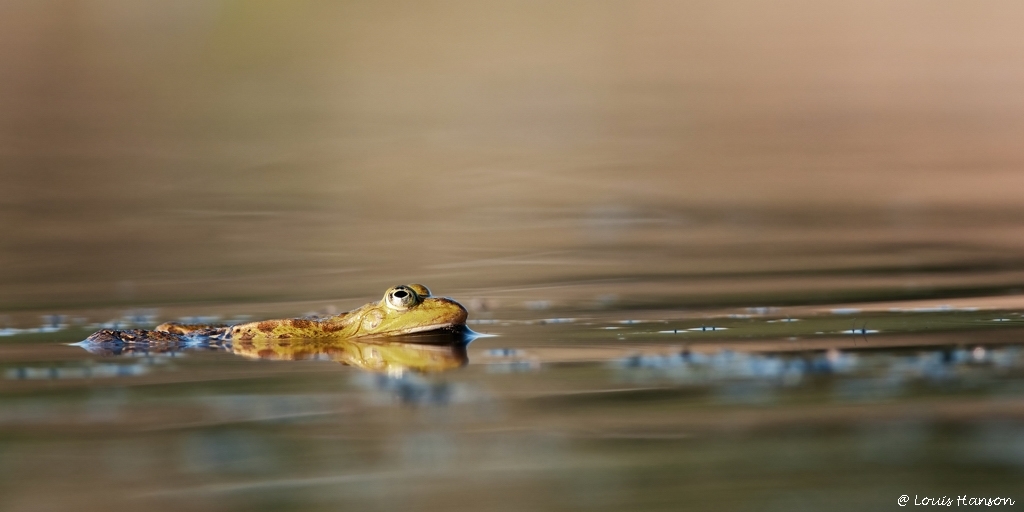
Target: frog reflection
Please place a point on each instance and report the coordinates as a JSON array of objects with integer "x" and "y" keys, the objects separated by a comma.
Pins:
[
  {"x": 381, "y": 356},
  {"x": 422, "y": 353}
]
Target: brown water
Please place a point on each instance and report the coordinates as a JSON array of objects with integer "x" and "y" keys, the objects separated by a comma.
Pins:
[{"x": 732, "y": 256}]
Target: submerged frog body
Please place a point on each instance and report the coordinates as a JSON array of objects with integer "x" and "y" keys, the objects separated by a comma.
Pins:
[{"x": 405, "y": 309}]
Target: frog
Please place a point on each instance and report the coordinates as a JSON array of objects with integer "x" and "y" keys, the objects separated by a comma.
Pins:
[{"x": 405, "y": 309}]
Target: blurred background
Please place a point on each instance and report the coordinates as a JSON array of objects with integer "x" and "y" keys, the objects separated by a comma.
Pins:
[
  {"x": 586, "y": 177},
  {"x": 173, "y": 151}
]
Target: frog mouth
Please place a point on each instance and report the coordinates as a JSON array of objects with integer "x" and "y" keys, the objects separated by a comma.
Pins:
[{"x": 450, "y": 326}]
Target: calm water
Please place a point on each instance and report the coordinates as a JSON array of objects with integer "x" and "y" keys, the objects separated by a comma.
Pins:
[
  {"x": 722, "y": 255},
  {"x": 563, "y": 405}
]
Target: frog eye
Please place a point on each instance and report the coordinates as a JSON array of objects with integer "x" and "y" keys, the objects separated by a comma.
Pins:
[{"x": 402, "y": 297}]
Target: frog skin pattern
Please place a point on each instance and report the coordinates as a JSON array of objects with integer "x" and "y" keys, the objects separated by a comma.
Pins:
[{"x": 405, "y": 309}]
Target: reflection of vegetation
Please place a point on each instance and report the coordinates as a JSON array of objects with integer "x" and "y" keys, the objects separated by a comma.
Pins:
[{"x": 376, "y": 356}]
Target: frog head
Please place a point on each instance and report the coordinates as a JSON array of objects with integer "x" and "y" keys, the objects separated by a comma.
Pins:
[{"x": 407, "y": 309}]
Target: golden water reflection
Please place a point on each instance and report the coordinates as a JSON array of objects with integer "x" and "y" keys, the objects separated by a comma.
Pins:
[{"x": 382, "y": 356}]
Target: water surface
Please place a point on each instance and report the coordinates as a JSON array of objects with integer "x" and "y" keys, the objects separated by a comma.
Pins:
[
  {"x": 560, "y": 408},
  {"x": 729, "y": 255}
]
